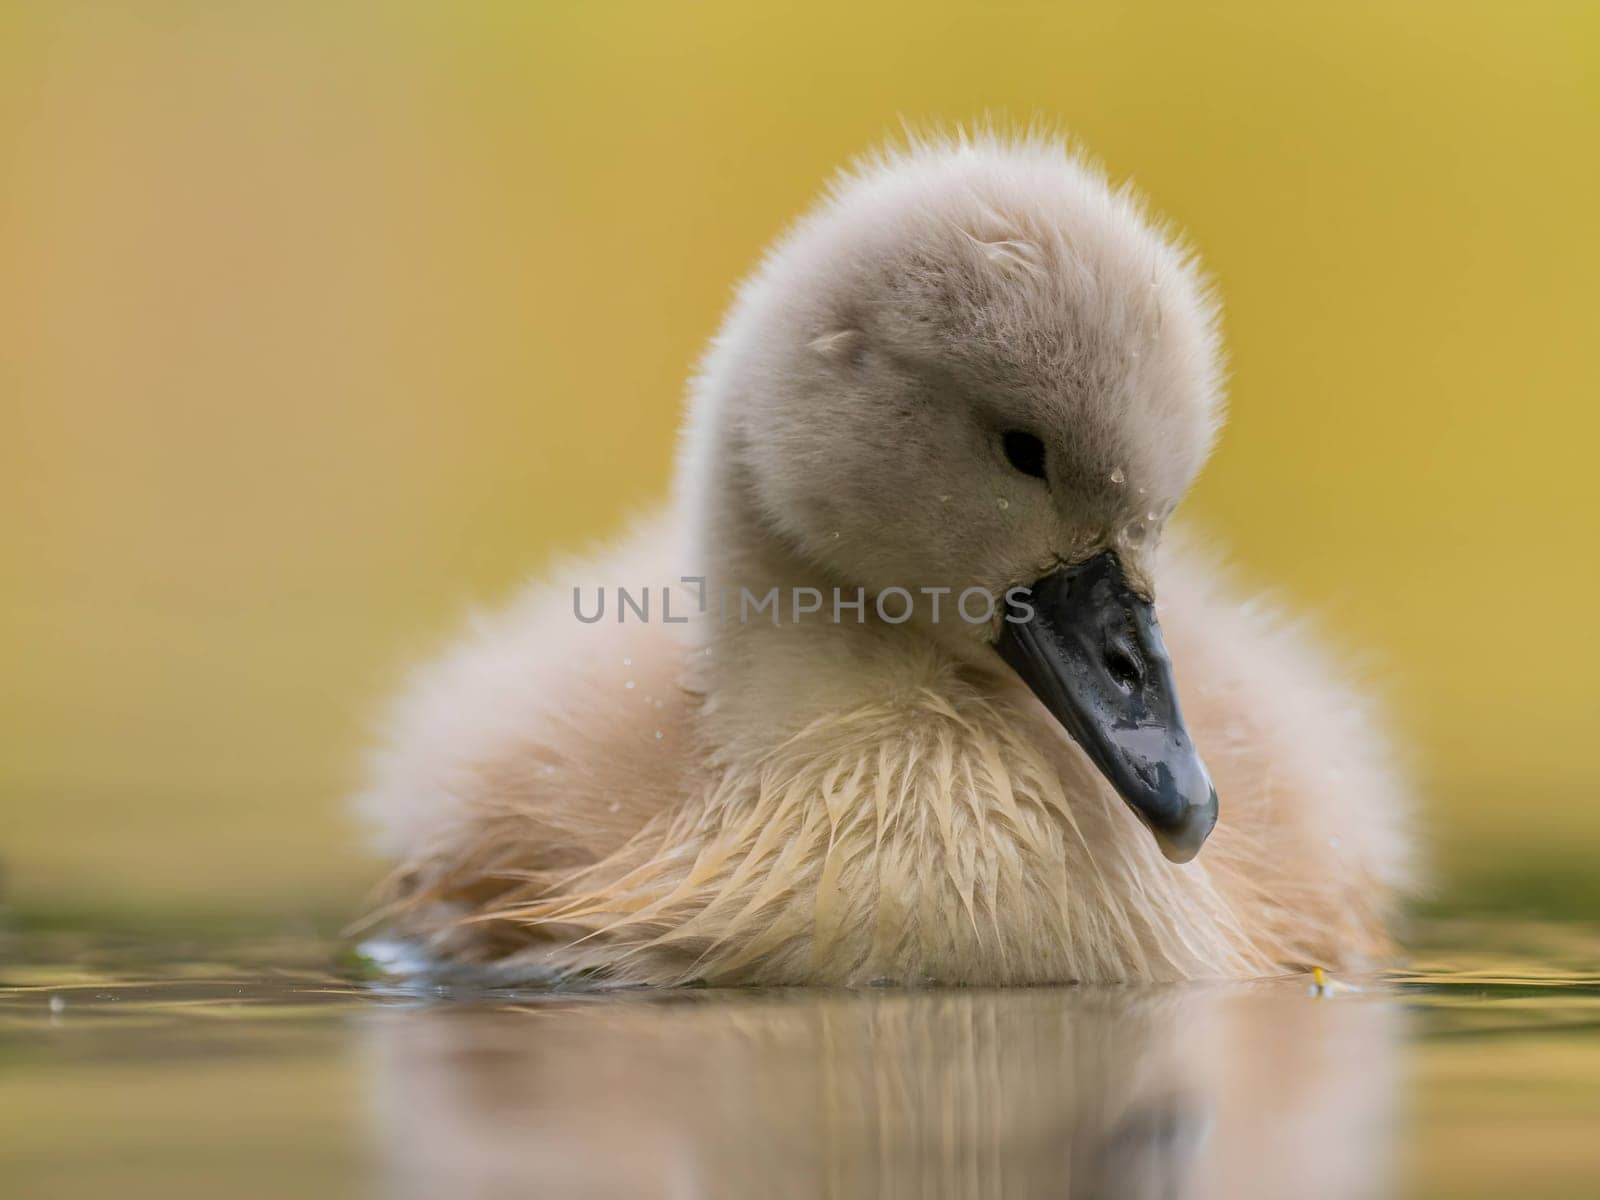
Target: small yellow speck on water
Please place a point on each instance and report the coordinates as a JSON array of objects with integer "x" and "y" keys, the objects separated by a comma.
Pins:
[{"x": 1319, "y": 977}]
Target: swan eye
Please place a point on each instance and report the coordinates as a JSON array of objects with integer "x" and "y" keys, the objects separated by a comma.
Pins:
[{"x": 1024, "y": 452}]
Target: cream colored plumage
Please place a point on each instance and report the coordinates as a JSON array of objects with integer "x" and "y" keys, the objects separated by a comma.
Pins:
[{"x": 848, "y": 801}]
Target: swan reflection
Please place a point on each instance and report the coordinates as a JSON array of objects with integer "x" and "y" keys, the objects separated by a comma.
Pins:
[{"x": 1187, "y": 1092}]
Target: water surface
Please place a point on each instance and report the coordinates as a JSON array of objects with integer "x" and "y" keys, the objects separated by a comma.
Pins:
[{"x": 266, "y": 1070}]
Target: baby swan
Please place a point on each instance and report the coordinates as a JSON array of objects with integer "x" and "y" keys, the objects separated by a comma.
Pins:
[{"x": 922, "y": 724}]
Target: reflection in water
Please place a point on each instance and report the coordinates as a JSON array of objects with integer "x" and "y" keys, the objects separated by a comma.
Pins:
[
  {"x": 251, "y": 1071},
  {"x": 1191, "y": 1092}
]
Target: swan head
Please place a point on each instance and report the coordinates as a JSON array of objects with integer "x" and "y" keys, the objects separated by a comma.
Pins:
[{"x": 977, "y": 366}]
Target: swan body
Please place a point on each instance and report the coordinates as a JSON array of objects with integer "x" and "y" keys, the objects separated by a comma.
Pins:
[{"x": 831, "y": 793}]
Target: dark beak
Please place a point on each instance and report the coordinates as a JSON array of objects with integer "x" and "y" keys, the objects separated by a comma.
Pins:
[{"x": 1092, "y": 652}]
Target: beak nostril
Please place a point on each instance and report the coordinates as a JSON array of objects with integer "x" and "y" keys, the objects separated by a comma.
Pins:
[{"x": 1124, "y": 667}]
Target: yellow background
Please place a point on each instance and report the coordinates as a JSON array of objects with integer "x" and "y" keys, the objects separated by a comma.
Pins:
[{"x": 318, "y": 322}]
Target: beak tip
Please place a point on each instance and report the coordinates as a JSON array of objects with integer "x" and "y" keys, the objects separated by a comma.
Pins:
[{"x": 1180, "y": 841}]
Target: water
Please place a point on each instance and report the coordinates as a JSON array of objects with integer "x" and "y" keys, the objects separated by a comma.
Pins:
[{"x": 269, "y": 1072}]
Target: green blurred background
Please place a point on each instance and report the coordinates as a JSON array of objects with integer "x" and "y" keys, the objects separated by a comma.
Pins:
[{"x": 318, "y": 322}]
